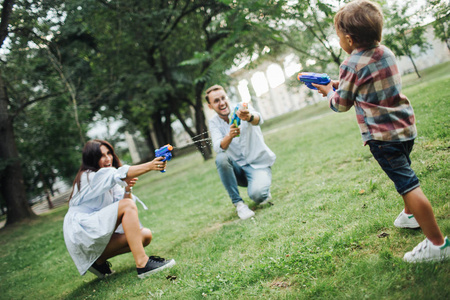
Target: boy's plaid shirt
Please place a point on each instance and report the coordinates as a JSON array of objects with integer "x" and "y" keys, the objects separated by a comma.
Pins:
[{"x": 369, "y": 80}]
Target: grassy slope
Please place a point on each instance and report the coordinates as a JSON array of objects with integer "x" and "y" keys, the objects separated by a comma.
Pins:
[{"x": 318, "y": 240}]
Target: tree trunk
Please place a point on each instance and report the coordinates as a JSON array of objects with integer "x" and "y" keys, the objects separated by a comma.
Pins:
[
  {"x": 168, "y": 131},
  {"x": 203, "y": 140},
  {"x": 12, "y": 187},
  {"x": 415, "y": 68},
  {"x": 47, "y": 192},
  {"x": 148, "y": 139},
  {"x": 408, "y": 53},
  {"x": 49, "y": 200},
  {"x": 200, "y": 136},
  {"x": 158, "y": 129}
]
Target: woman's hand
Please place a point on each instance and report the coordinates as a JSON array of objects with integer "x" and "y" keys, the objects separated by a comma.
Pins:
[
  {"x": 157, "y": 164},
  {"x": 131, "y": 182}
]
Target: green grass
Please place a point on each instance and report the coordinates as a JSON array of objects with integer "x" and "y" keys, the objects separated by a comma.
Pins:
[{"x": 318, "y": 241}]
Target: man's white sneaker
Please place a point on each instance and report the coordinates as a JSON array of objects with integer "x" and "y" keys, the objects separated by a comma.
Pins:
[
  {"x": 426, "y": 251},
  {"x": 406, "y": 221},
  {"x": 243, "y": 211}
]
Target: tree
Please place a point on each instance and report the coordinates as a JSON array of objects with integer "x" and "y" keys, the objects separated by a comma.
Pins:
[
  {"x": 402, "y": 32},
  {"x": 48, "y": 144},
  {"x": 132, "y": 64},
  {"x": 441, "y": 12},
  {"x": 11, "y": 178},
  {"x": 307, "y": 28},
  {"x": 28, "y": 77},
  {"x": 153, "y": 60}
]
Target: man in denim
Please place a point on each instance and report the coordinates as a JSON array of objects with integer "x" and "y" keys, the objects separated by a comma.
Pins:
[{"x": 243, "y": 159}]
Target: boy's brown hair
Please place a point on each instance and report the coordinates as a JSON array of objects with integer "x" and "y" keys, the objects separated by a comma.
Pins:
[
  {"x": 213, "y": 88},
  {"x": 362, "y": 20}
]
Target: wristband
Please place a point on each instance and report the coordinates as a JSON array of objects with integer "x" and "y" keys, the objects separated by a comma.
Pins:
[{"x": 251, "y": 118}]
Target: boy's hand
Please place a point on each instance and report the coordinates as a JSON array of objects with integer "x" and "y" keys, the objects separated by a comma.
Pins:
[
  {"x": 335, "y": 84},
  {"x": 324, "y": 89}
]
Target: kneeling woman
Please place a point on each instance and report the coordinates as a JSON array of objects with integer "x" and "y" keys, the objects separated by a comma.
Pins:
[{"x": 102, "y": 220}]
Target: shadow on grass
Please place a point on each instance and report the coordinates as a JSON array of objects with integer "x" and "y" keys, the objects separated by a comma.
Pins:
[{"x": 99, "y": 288}]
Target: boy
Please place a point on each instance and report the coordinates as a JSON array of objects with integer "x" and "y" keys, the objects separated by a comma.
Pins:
[{"x": 369, "y": 80}]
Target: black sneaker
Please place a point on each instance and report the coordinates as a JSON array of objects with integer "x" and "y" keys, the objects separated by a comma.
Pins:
[
  {"x": 154, "y": 264},
  {"x": 102, "y": 270}
]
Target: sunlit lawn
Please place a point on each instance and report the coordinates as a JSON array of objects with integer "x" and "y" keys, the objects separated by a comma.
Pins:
[{"x": 329, "y": 234}]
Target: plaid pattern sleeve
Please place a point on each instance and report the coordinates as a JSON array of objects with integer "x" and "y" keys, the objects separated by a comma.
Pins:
[{"x": 369, "y": 80}]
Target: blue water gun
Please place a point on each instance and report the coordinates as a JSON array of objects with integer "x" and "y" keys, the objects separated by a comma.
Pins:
[
  {"x": 234, "y": 117},
  {"x": 166, "y": 152},
  {"x": 317, "y": 78}
]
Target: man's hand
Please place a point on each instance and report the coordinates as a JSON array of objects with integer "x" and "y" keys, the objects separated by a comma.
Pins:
[
  {"x": 234, "y": 131},
  {"x": 244, "y": 114}
]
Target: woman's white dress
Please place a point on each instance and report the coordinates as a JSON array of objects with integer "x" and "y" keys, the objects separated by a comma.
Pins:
[{"x": 92, "y": 215}]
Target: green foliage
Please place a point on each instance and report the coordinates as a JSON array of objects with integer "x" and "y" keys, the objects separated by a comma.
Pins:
[
  {"x": 152, "y": 61},
  {"x": 318, "y": 241},
  {"x": 48, "y": 144},
  {"x": 47, "y": 136},
  {"x": 310, "y": 33},
  {"x": 441, "y": 12},
  {"x": 403, "y": 31}
]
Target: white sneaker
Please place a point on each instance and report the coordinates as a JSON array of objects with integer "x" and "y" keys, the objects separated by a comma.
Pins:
[
  {"x": 243, "y": 211},
  {"x": 406, "y": 221},
  {"x": 426, "y": 251}
]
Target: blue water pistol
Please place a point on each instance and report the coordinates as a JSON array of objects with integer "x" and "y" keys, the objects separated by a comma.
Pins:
[
  {"x": 318, "y": 78},
  {"x": 166, "y": 152}
]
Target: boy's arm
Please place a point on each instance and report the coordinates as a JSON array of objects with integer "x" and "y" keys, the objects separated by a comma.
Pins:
[{"x": 344, "y": 97}]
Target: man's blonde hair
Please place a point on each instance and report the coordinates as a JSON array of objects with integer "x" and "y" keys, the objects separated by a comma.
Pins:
[
  {"x": 215, "y": 87},
  {"x": 362, "y": 20}
]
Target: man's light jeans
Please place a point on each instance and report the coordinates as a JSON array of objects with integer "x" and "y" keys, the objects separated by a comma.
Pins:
[{"x": 257, "y": 181}]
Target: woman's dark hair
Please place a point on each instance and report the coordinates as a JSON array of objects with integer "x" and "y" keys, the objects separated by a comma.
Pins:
[{"x": 90, "y": 158}]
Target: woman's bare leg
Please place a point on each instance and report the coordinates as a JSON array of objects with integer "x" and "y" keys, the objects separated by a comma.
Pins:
[
  {"x": 128, "y": 216},
  {"x": 119, "y": 245}
]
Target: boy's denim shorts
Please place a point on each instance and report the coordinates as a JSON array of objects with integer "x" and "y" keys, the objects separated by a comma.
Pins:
[{"x": 393, "y": 157}]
